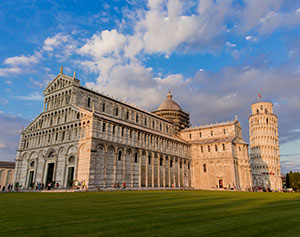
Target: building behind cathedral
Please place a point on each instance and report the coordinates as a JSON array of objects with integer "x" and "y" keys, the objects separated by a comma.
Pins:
[{"x": 86, "y": 136}]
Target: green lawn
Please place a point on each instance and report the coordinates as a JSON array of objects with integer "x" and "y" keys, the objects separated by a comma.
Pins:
[{"x": 150, "y": 213}]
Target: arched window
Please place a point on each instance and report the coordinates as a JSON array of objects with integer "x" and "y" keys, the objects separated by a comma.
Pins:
[
  {"x": 72, "y": 160},
  {"x": 160, "y": 161},
  {"x": 149, "y": 160},
  {"x": 267, "y": 121},
  {"x": 120, "y": 155},
  {"x": 32, "y": 164},
  {"x": 136, "y": 157},
  {"x": 257, "y": 111},
  {"x": 216, "y": 147},
  {"x": 204, "y": 168},
  {"x": 52, "y": 154}
]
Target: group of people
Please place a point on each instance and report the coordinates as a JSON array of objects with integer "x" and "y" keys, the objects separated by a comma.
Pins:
[
  {"x": 42, "y": 186},
  {"x": 117, "y": 185},
  {"x": 8, "y": 188}
]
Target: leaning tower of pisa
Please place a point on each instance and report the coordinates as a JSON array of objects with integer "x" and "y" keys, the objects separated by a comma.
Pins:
[{"x": 264, "y": 146}]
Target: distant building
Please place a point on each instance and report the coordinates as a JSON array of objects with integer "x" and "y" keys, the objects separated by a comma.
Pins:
[
  {"x": 7, "y": 170},
  {"x": 264, "y": 146},
  {"x": 86, "y": 136}
]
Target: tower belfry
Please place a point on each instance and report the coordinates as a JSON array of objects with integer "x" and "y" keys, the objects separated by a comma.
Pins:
[{"x": 264, "y": 146}]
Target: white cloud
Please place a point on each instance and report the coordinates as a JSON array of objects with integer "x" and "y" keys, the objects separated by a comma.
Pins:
[
  {"x": 22, "y": 60},
  {"x": 230, "y": 44},
  {"x": 53, "y": 42},
  {"x": 31, "y": 96},
  {"x": 9, "y": 71}
]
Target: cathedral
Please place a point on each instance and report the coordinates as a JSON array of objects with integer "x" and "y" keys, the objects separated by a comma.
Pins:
[{"x": 83, "y": 136}]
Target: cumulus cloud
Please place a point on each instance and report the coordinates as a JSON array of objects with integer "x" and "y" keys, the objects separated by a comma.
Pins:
[
  {"x": 22, "y": 60},
  {"x": 31, "y": 96},
  {"x": 53, "y": 42}
]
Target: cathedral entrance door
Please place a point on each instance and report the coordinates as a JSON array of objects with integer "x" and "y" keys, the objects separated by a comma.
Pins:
[
  {"x": 50, "y": 173},
  {"x": 70, "y": 176},
  {"x": 220, "y": 183},
  {"x": 30, "y": 179}
]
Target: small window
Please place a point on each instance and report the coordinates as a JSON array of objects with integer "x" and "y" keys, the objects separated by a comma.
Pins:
[
  {"x": 160, "y": 161},
  {"x": 208, "y": 148},
  {"x": 160, "y": 127},
  {"x": 103, "y": 107},
  {"x": 239, "y": 148},
  {"x": 261, "y": 107},
  {"x": 153, "y": 124},
  {"x": 120, "y": 155},
  {"x": 223, "y": 145},
  {"x": 180, "y": 163},
  {"x": 117, "y": 111},
  {"x": 257, "y": 111},
  {"x": 89, "y": 102},
  {"x": 78, "y": 115},
  {"x": 189, "y": 165},
  {"x": 190, "y": 136},
  {"x": 103, "y": 127},
  {"x": 127, "y": 115},
  {"x": 137, "y": 118},
  {"x": 224, "y": 131},
  {"x": 145, "y": 121},
  {"x": 149, "y": 160},
  {"x": 171, "y": 163},
  {"x": 211, "y": 133},
  {"x": 216, "y": 147},
  {"x": 267, "y": 121},
  {"x": 32, "y": 164},
  {"x": 63, "y": 136},
  {"x": 200, "y": 134},
  {"x": 204, "y": 168},
  {"x": 136, "y": 157},
  {"x": 201, "y": 148},
  {"x": 122, "y": 132},
  {"x": 113, "y": 129},
  {"x": 130, "y": 134}
]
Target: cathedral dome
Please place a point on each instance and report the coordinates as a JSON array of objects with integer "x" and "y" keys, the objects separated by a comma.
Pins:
[{"x": 169, "y": 104}]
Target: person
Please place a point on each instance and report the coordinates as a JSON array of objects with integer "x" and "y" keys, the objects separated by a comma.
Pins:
[
  {"x": 124, "y": 185},
  {"x": 42, "y": 186},
  {"x": 57, "y": 185},
  {"x": 83, "y": 184},
  {"x": 118, "y": 185},
  {"x": 39, "y": 185},
  {"x": 3, "y": 188},
  {"x": 49, "y": 186},
  {"x": 114, "y": 185}
]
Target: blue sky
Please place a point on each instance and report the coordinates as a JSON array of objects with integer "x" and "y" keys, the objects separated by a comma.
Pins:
[{"x": 215, "y": 56}]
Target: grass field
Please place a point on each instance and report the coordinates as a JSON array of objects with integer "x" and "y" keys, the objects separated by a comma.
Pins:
[{"x": 150, "y": 213}]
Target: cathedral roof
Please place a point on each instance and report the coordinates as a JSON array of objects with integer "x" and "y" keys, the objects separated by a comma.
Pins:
[{"x": 169, "y": 104}]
